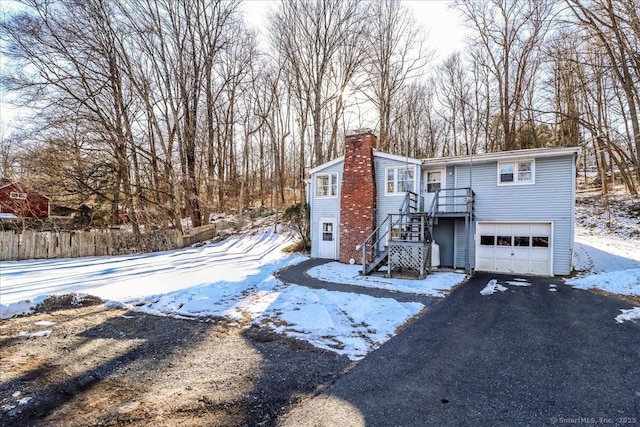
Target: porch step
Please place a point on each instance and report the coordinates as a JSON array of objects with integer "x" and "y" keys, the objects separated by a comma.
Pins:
[{"x": 376, "y": 263}]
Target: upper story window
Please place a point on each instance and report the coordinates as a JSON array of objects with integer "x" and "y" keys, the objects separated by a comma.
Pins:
[
  {"x": 516, "y": 172},
  {"x": 400, "y": 180},
  {"x": 327, "y": 185}
]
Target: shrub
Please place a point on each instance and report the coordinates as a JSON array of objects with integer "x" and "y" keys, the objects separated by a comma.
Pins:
[{"x": 297, "y": 217}]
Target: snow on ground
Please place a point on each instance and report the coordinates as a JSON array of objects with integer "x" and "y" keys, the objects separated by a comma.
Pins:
[
  {"x": 129, "y": 276},
  {"x": 233, "y": 278},
  {"x": 631, "y": 314},
  {"x": 616, "y": 213},
  {"x": 492, "y": 287},
  {"x": 347, "y": 323},
  {"x": 607, "y": 246},
  {"x": 606, "y": 262},
  {"x": 436, "y": 284},
  {"x": 34, "y": 334}
]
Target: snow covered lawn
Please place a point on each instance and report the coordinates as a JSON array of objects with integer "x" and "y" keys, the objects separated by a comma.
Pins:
[
  {"x": 609, "y": 263},
  {"x": 233, "y": 279}
]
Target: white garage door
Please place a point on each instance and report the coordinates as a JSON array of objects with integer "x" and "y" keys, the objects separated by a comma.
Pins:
[{"x": 514, "y": 247}]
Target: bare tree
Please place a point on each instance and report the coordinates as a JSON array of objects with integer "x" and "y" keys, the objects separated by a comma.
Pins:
[
  {"x": 73, "y": 53},
  {"x": 510, "y": 38},
  {"x": 317, "y": 44},
  {"x": 396, "y": 54},
  {"x": 615, "y": 24}
]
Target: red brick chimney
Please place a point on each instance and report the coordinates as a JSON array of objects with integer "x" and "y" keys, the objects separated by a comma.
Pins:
[{"x": 358, "y": 195}]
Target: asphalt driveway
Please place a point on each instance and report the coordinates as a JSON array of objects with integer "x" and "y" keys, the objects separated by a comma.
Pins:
[{"x": 526, "y": 356}]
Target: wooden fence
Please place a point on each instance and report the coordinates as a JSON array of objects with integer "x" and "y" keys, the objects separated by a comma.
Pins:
[
  {"x": 73, "y": 244},
  {"x": 208, "y": 232},
  {"x": 29, "y": 244},
  {"x": 200, "y": 234}
]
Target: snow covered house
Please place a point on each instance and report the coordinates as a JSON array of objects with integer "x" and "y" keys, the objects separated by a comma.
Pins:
[{"x": 503, "y": 212}]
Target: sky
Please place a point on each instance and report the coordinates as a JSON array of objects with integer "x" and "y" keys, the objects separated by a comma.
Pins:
[
  {"x": 446, "y": 34},
  {"x": 444, "y": 24}
]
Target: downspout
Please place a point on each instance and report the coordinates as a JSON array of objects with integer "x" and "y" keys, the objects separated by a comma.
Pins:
[{"x": 467, "y": 217}]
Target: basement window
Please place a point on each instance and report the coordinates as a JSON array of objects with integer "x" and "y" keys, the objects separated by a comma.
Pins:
[
  {"x": 516, "y": 172},
  {"x": 327, "y": 185},
  {"x": 400, "y": 180}
]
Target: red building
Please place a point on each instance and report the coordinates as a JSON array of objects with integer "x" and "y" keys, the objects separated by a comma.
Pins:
[{"x": 21, "y": 201}]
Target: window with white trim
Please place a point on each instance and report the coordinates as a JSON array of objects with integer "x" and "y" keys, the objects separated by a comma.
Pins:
[
  {"x": 516, "y": 172},
  {"x": 400, "y": 180},
  {"x": 327, "y": 185}
]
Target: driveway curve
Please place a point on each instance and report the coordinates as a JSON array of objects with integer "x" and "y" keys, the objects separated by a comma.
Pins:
[{"x": 296, "y": 274}]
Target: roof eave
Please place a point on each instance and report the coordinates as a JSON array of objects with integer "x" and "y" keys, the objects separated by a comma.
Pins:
[
  {"x": 503, "y": 155},
  {"x": 326, "y": 165}
]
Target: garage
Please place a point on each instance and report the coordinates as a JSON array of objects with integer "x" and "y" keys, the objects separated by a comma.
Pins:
[{"x": 514, "y": 247}]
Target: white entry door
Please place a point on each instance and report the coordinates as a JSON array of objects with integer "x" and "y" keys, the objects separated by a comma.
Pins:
[
  {"x": 434, "y": 181},
  {"x": 327, "y": 247},
  {"x": 514, "y": 247}
]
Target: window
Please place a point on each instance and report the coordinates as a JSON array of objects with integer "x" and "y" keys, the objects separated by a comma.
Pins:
[
  {"x": 400, "y": 180},
  {"x": 487, "y": 240},
  {"x": 504, "y": 240},
  {"x": 540, "y": 242},
  {"x": 434, "y": 180},
  {"x": 506, "y": 172},
  {"x": 521, "y": 241},
  {"x": 327, "y": 185},
  {"x": 327, "y": 231},
  {"x": 16, "y": 195},
  {"x": 520, "y": 172}
]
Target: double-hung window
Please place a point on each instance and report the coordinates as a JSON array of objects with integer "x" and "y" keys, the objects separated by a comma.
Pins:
[
  {"x": 516, "y": 172},
  {"x": 327, "y": 185},
  {"x": 400, "y": 180}
]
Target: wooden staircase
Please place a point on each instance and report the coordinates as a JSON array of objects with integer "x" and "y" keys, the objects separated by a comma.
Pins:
[
  {"x": 378, "y": 262},
  {"x": 408, "y": 235},
  {"x": 410, "y": 227}
]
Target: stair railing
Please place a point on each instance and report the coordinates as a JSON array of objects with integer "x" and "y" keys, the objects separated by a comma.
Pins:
[
  {"x": 409, "y": 206},
  {"x": 452, "y": 200},
  {"x": 374, "y": 246},
  {"x": 410, "y": 203}
]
